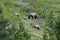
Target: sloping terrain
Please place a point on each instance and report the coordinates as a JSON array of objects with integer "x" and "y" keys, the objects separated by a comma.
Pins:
[{"x": 23, "y": 7}]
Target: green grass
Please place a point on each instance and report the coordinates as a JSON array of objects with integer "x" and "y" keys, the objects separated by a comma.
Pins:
[{"x": 12, "y": 6}]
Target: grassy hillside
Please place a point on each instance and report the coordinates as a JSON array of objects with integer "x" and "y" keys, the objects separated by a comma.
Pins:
[{"x": 23, "y": 7}]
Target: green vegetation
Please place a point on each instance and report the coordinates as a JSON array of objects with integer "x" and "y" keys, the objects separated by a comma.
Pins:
[{"x": 20, "y": 28}]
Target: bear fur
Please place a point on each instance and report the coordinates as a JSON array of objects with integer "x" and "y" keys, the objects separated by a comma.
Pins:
[
  {"x": 33, "y": 16},
  {"x": 16, "y": 14},
  {"x": 36, "y": 26}
]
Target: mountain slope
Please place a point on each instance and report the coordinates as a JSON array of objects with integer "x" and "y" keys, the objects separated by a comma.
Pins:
[{"x": 23, "y": 7}]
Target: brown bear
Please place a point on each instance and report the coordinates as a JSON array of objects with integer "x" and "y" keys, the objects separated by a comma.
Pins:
[
  {"x": 16, "y": 14},
  {"x": 36, "y": 26},
  {"x": 33, "y": 15}
]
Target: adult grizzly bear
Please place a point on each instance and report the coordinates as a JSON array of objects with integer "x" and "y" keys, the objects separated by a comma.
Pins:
[
  {"x": 36, "y": 26},
  {"x": 33, "y": 15}
]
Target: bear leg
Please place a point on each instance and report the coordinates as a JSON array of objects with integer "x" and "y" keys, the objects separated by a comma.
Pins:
[
  {"x": 35, "y": 17},
  {"x": 38, "y": 28}
]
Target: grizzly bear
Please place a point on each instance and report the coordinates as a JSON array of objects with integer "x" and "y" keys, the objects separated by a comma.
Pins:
[
  {"x": 36, "y": 26},
  {"x": 16, "y": 14},
  {"x": 33, "y": 16}
]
